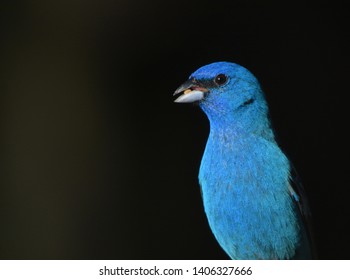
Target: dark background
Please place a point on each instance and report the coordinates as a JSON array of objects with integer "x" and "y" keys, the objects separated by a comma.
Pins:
[{"x": 97, "y": 162}]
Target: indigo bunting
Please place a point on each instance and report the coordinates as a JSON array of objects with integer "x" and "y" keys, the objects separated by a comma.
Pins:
[{"x": 255, "y": 206}]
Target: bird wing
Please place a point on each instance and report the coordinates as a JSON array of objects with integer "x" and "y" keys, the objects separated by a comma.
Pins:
[
  {"x": 297, "y": 191},
  {"x": 298, "y": 194}
]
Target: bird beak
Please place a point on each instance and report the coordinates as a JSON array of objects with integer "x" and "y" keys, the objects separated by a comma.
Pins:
[{"x": 191, "y": 91}]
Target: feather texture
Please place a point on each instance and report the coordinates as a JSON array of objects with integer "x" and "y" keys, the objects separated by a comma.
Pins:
[{"x": 248, "y": 194}]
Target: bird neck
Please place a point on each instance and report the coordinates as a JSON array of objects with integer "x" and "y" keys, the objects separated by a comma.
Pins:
[{"x": 242, "y": 125}]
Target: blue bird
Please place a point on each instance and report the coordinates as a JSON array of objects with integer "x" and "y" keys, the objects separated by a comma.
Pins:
[{"x": 254, "y": 203}]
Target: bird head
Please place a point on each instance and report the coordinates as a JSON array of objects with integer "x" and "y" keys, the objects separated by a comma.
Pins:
[{"x": 228, "y": 93}]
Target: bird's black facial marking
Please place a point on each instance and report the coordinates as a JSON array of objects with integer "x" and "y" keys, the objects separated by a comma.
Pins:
[
  {"x": 210, "y": 83},
  {"x": 220, "y": 79}
]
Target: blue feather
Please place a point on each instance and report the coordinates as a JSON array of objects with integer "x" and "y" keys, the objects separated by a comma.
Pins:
[{"x": 248, "y": 196}]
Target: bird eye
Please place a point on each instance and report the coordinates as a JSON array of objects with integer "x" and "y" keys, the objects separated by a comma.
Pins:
[{"x": 220, "y": 79}]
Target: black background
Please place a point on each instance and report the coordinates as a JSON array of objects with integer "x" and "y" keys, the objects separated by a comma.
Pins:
[{"x": 97, "y": 162}]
